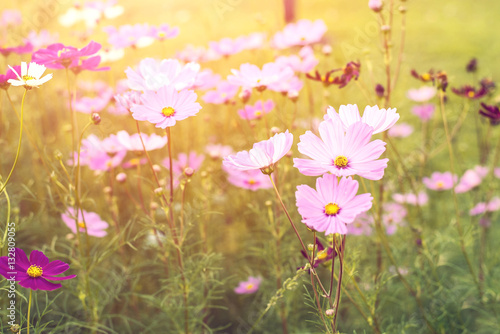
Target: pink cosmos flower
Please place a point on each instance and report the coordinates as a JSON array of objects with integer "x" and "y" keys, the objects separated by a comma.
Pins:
[
  {"x": 223, "y": 93},
  {"x": 422, "y": 94},
  {"x": 496, "y": 172},
  {"x": 166, "y": 106},
  {"x": 226, "y": 46},
  {"x": 478, "y": 209},
  {"x": 89, "y": 105},
  {"x": 401, "y": 130},
  {"x": 493, "y": 204},
  {"x": 379, "y": 119},
  {"x": 133, "y": 142},
  {"x": 252, "y": 41},
  {"x": 163, "y": 32},
  {"x": 128, "y": 99},
  {"x": 304, "y": 62},
  {"x": 94, "y": 154},
  {"x": 440, "y": 181},
  {"x": 420, "y": 199},
  {"x": 218, "y": 151},
  {"x": 10, "y": 17},
  {"x": 424, "y": 111},
  {"x": 136, "y": 36},
  {"x": 41, "y": 39},
  {"x": 152, "y": 75},
  {"x": 362, "y": 225},
  {"x": 196, "y": 54},
  {"x": 303, "y": 32},
  {"x": 206, "y": 79},
  {"x": 332, "y": 205},
  {"x": 482, "y": 171},
  {"x": 11, "y": 74},
  {"x": 252, "y": 76},
  {"x": 256, "y": 111},
  {"x": 393, "y": 216},
  {"x": 248, "y": 179},
  {"x": 20, "y": 49},
  {"x": 342, "y": 154},
  {"x": 96, "y": 227},
  {"x": 59, "y": 56},
  {"x": 263, "y": 155},
  {"x": 469, "y": 180},
  {"x": 288, "y": 86},
  {"x": 183, "y": 161},
  {"x": 249, "y": 286}
]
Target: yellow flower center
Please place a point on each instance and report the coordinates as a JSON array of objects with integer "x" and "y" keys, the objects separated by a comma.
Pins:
[
  {"x": 249, "y": 286},
  {"x": 470, "y": 94},
  {"x": 168, "y": 111},
  {"x": 161, "y": 34},
  {"x": 252, "y": 181},
  {"x": 331, "y": 209},
  {"x": 439, "y": 184},
  {"x": 27, "y": 78},
  {"x": 322, "y": 255},
  {"x": 426, "y": 76},
  {"x": 34, "y": 271},
  {"x": 135, "y": 162},
  {"x": 258, "y": 113},
  {"x": 341, "y": 161},
  {"x": 81, "y": 224}
]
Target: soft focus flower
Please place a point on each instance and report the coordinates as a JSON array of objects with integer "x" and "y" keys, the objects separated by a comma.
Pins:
[
  {"x": 393, "y": 216},
  {"x": 34, "y": 273},
  {"x": 471, "y": 66},
  {"x": 11, "y": 74},
  {"x": 96, "y": 227},
  {"x": 218, "y": 151},
  {"x": 468, "y": 181},
  {"x": 362, "y": 225},
  {"x": 350, "y": 71},
  {"x": 375, "y": 5},
  {"x": 470, "y": 92},
  {"x": 133, "y": 142},
  {"x": 100, "y": 155},
  {"x": 422, "y": 94},
  {"x": 30, "y": 76},
  {"x": 401, "y": 130},
  {"x": 223, "y": 93},
  {"x": 342, "y": 154},
  {"x": 420, "y": 199},
  {"x": 440, "y": 181},
  {"x": 153, "y": 75},
  {"x": 10, "y": 17},
  {"x": 137, "y": 36},
  {"x": 128, "y": 99},
  {"x": 493, "y": 204},
  {"x": 251, "y": 76},
  {"x": 332, "y": 205},
  {"x": 252, "y": 179},
  {"x": 166, "y": 107},
  {"x": 41, "y": 39},
  {"x": 424, "y": 111},
  {"x": 490, "y": 112},
  {"x": 183, "y": 161},
  {"x": 496, "y": 172},
  {"x": 478, "y": 209},
  {"x": 303, "y": 32},
  {"x": 379, "y": 119},
  {"x": 256, "y": 111},
  {"x": 249, "y": 286},
  {"x": 227, "y": 46},
  {"x": 163, "y": 32},
  {"x": 288, "y": 86},
  {"x": 20, "y": 49},
  {"x": 304, "y": 62},
  {"x": 263, "y": 155}
]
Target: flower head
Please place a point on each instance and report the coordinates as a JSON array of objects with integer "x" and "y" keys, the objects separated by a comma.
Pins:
[
  {"x": 251, "y": 179},
  {"x": 321, "y": 255},
  {"x": 490, "y": 112},
  {"x": 133, "y": 143},
  {"x": 165, "y": 107},
  {"x": 332, "y": 205},
  {"x": 30, "y": 76},
  {"x": 303, "y": 32},
  {"x": 342, "y": 154},
  {"x": 33, "y": 273},
  {"x": 251, "y": 76},
  {"x": 440, "y": 181},
  {"x": 422, "y": 94},
  {"x": 256, "y": 111},
  {"x": 401, "y": 130},
  {"x": 91, "y": 221},
  {"x": 470, "y": 92},
  {"x": 249, "y": 286},
  {"x": 263, "y": 155},
  {"x": 424, "y": 111},
  {"x": 11, "y": 74},
  {"x": 379, "y": 119}
]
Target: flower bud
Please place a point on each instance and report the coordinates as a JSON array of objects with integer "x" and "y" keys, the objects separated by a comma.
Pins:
[
  {"x": 375, "y": 5},
  {"x": 159, "y": 192},
  {"x": 379, "y": 90},
  {"x": 275, "y": 130},
  {"x": 156, "y": 168},
  {"x": 121, "y": 177},
  {"x": 245, "y": 95},
  {"x": 330, "y": 312},
  {"x": 58, "y": 155},
  {"x": 326, "y": 49},
  {"x": 188, "y": 171},
  {"x": 96, "y": 118}
]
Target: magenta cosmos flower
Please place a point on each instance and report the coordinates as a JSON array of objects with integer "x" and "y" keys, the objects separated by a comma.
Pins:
[
  {"x": 33, "y": 273},
  {"x": 251, "y": 76},
  {"x": 440, "y": 181},
  {"x": 166, "y": 106},
  {"x": 249, "y": 286},
  {"x": 10, "y": 74},
  {"x": 379, "y": 119},
  {"x": 96, "y": 227},
  {"x": 333, "y": 204},
  {"x": 248, "y": 179},
  {"x": 342, "y": 154},
  {"x": 263, "y": 155}
]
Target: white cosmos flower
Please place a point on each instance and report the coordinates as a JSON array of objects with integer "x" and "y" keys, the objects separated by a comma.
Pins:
[
  {"x": 30, "y": 76},
  {"x": 379, "y": 119}
]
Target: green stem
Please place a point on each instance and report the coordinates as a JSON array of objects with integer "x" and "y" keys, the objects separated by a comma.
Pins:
[
  {"x": 29, "y": 312},
  {"x": 18, "y": 145}
]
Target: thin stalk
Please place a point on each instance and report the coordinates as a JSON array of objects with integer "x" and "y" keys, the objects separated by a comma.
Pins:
[
  {"x": 6, "y": 221},
  {"x": 18, "y": 144},
  {"x": 29, "y": 312},
  {"x": 339, "y": 282}
]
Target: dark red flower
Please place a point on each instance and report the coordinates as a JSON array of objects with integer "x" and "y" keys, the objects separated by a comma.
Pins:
[
  {"x": 491, "y": 112},
  {"x": 470, "y": 92},
  {"x": 350, "y": 71}
]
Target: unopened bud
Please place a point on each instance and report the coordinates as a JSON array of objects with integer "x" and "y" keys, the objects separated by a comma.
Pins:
[
  {"x": 375, "y": 5},
  {"x": 275, "y": 130},
  {"x": 326, "y": 49},
  {"x": 330, "y": 312},
  {"x": 245, "y": 95},
  {"x": 107, "y": 190},
  {"x": 268, "y": 203},
  {"x": 385, "y": 28},
  {"x": 402, "y": 9},
  {"x": 153, "y": 206},
  {"x": 310, "y": 247},
  {"x": 121, "y": 177},
  {"x": 159, "y": 192},
  {"x": 156, "y": 168},
  {"x": 293, "y": 95},
  {"x": 58, "y": 155},
  {"x": 15, "y": 328},
  {"x": 96, "y": 118}
]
